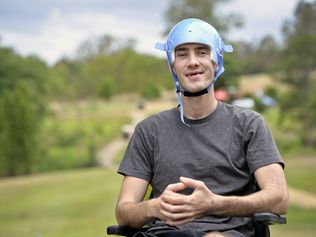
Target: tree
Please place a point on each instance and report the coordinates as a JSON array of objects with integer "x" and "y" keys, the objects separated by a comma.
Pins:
[
  {"x": 24, "y": 85},
  {"x": 106, "y": 88},
  {"x": 203, "y": 9},
  {"x": 101, "y": 46},
  {"x": 149, "y": 91},
  {"x": 19, "y": 126},
  {"x": 297, "y": 64}
]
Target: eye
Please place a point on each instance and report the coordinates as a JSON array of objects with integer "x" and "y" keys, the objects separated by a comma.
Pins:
[
  {"x": 181, "y": 53},
  {"x": 203, "y": 52}
]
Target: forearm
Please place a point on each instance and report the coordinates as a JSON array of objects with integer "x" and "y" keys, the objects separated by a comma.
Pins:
[
  {"x": 134, "y": 214},
  {"x": 273, "y": 201}
]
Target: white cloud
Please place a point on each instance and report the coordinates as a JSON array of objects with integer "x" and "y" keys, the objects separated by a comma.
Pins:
[
  {"x": 61, "y": 33},
  {"x": 261, "y": 17}
]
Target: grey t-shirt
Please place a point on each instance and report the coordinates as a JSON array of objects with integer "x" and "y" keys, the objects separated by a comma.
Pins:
[{"x": 223, "y": 150}]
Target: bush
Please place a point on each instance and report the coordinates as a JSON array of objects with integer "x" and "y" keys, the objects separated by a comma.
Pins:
[
  {"x": 150, "y": 91},
  {"x": 106, "y": 88}
]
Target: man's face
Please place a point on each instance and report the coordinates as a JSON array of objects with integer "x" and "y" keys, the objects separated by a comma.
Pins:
[{"x": 193, "y": 66}]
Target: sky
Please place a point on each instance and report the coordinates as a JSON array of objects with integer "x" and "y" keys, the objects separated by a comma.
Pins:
[{"x": 52, "y": 29}]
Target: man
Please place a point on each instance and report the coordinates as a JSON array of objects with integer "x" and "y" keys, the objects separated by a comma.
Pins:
[{"x": 203, "y": 159}]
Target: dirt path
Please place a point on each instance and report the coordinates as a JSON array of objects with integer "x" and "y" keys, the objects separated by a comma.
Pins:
[
  {"x": 302, "y": 198},
  {"x": 107, "y": 154}
]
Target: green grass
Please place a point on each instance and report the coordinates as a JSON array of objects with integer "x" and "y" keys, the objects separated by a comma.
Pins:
[
  {"x": 73, "y": 204},
  {"x": 300, "y": 173},
  {"x": 300, "y": 222},
  {"x": 81, "y": 204}
]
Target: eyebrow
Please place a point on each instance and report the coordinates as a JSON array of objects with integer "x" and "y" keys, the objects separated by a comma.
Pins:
[{"x": 184, "y": 48}]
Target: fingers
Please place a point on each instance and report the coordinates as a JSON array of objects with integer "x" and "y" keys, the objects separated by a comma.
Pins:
[
  {"x": 176, "y": 215},
  {"x": 178, "y": 208},
  {"x": 171, "y": 196},
  {"x": 196, "y": 184},
  {"x": 175, "y": 187}
]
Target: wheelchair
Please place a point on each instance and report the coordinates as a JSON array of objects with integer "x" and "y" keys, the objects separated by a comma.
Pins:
[{"x": 261, "y": 222}]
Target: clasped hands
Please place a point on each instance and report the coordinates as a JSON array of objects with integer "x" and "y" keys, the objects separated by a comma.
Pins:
[{"x": 175, "y": 208}]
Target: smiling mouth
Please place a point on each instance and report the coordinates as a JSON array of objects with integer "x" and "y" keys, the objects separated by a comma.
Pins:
[{"x": 192, "y": 74}]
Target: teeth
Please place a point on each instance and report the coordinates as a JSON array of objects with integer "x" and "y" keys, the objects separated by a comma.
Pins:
[{"x": 193, "y": 74}]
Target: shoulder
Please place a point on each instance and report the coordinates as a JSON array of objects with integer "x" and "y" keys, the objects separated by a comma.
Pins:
[
  {"x": 238, "y": 111},
  {"x": 158, "y": 121},
  {"x": 240, "y": 115}
]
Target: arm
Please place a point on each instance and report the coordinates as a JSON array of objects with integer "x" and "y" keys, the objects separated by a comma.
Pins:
[
  {"x": 131, "y": 210},
  {"x": 273, "y": 197}
]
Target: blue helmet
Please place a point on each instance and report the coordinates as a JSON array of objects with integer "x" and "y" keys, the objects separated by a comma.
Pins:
[{"x": 194, "y": 30}]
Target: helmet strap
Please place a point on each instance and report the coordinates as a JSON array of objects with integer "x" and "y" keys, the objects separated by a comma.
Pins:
[{"x": 194, "y": 94}]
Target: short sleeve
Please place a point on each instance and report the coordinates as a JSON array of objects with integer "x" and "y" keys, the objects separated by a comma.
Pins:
[
  {"x": 260, "y": 145},
  {"x": 137, "y": 160}
]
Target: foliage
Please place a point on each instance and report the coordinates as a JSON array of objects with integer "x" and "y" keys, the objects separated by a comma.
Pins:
[
  {"x": 106, "y": 88},
  {"x": 233, "y": 69},
  {"x": 18, "y": 130},
  {"x": 298, "y": 63},
  {"x": 150, "y": 91},
  {"x": 205, "y": 10},
  {"x": 122, "y": 71},
  {"x": 71, "y": 80},
  {"x": 101, "y": 46},
  {"x": 257, "y": 57},
  {"x": 14, "y": 69},
  {"x": 23, "y": 89},
  {"x": 77, "y": 131}
]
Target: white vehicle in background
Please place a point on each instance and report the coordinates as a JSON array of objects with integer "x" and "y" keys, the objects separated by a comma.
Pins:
[{"x": 246, "y": 102}]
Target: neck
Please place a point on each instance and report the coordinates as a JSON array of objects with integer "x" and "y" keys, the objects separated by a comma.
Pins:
[{"x": 200, "y": 106}]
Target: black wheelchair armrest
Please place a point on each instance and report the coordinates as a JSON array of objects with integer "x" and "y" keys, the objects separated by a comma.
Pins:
[
  {"x": 269, "y": 218},
  {"x": 123, "y": 230}
]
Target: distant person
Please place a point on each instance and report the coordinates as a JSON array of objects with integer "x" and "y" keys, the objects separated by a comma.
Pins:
[
  {"x": 141, "y": 105},
  {"x": 204, "y": 158}
]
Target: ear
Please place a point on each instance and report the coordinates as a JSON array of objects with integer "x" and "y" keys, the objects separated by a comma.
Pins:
[
  {"x": 215, "y": 66},
  {"x": 172, "y": 69}
]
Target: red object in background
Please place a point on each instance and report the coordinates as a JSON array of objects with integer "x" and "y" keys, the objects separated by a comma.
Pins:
[{"x": 222, "y": 95}]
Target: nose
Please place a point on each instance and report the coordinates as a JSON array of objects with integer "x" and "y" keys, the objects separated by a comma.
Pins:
[{"x": 193, "y": 60}]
